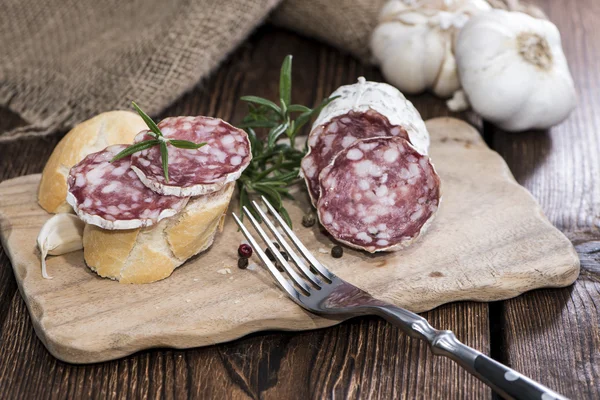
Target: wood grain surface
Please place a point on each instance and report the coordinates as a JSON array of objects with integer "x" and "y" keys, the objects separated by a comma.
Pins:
[
  {"x": 489, "y": 241},
  {"x": 551, "y": 335},
  {"x": 560, "y": 329}
]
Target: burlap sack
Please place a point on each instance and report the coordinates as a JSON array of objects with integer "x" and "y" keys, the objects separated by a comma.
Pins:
[{"x": 63, "y": 61}]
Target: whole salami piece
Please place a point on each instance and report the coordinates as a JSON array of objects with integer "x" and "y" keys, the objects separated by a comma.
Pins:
[
  {"x": 378, "y": 194},
  {"x": 111, "y": 196},
  {"x": 194, "y": 172},
  {"x": 363, "y": 110}
]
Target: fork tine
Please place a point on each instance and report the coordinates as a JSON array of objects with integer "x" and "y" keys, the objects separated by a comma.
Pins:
[
  {"x": 299, "y": 245},
  {"x": 288, "y": 268},
  {"x": 261, "y": 254},
  {"x": 301, "y": 264}
]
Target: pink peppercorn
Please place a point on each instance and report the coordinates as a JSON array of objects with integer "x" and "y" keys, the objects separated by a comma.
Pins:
[{"x": 245, "y": 251}]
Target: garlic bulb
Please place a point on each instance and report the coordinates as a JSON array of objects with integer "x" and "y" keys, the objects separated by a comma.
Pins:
[
  {"x": 61, "y": 234},
  {"x": 413, "y": 43},
  {"x": 513, "y": 70}
]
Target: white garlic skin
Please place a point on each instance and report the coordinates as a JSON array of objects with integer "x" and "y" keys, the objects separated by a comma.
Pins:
[
  {"x": 61, "y": 234},
  {"x": 413, "y": 43},
  {"x": 514, "y": 72}
]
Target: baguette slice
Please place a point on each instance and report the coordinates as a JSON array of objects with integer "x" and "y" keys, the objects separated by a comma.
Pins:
[
  {"x": 93, "y": 135},
  {"x": 150, "y": 254}
]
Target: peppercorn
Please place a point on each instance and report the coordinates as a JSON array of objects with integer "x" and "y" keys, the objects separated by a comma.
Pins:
[
  {"x": 284, "y": 255},
  {"x": 308, "y": 220},
  {"x": 269, "y": 254},
  {"x": 245, "y": 251},
  {"x": 242, "y": 262},
  {"x": 337, "y": 252},
  {"x": 277, "y": 246}
]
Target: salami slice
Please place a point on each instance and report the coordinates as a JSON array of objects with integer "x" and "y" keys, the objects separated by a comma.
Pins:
[
  {"x": 378, "y": 194},
  {"x": 111, "y": 196},
  {"x": 369, "y": 109},
  {"x": 340, "y": 132},
  {"x": 194, "y": 172}
]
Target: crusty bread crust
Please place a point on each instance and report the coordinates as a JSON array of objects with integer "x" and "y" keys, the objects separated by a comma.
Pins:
[
  {"x": 150, "y": 254},
  {"x": 95, "y": 134}
]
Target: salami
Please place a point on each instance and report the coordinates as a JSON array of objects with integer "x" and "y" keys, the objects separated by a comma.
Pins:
[
  {"x": 363, "y": 110},
  {"x": 340, "y": 132},
  {"x": 111, "y": 196},
  {"x": 378, "y": 194},
  {"x": 194, "y": 172},
  {"x": 382, "y": 98}
]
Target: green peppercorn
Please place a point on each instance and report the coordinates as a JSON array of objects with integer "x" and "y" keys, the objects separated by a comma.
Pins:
[
  {"x": 308, "y": 220},
  {"x": 337, "y": 252}
]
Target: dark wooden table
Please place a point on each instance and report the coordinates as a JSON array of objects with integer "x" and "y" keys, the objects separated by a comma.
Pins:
[{"x": 552, "y": 336}]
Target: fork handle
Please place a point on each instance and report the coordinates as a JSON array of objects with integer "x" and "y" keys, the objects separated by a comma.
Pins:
[{"x": 502, "y": 379}]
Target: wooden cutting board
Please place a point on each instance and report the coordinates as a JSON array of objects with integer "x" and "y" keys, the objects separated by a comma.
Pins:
[{"x": 490, "y": 241}]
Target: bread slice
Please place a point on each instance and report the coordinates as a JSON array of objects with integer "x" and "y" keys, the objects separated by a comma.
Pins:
[
  {"x": 150, "y": 254},
  {"x": 93, "y": 135}
]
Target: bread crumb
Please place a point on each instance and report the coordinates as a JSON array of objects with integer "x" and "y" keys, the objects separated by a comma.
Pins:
[
  {"x": 224, "y": 271},
  {"x": 236, "y": 302},
  {"x": 195, "y": 279},
  {"x": 323, "y": 251},
  {"x": 156, "y": 307},
  {"x": 187, "y": 300}
]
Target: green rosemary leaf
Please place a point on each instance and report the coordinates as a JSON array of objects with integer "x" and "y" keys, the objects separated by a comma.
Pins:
[
  {"x": 286, "y": 217},
  {"x": 244, "y": 200},
  {"x": 298, "y": 108},
  {"x": 307, "y": 115},
  {"x": 275, "y": 133},
  {"x": 255, "y": 143},
  {"x": 289, "y": 132},
  {"x": 264, "y": 102},
  {"x": 285, "y": 81},
  {"x": 164, "y": 155},
  {"x": 286, "y": 194},
  {"x": 151, "y": 124},
  {"x": 271, "y": 183},
  {"x": 287, "y": 177},
  {"x": 186, "y": 144},
  {"x": 271, "y": 194},
  {"x": 134, "y": 148},
  {"x": 258, "y": 124}
]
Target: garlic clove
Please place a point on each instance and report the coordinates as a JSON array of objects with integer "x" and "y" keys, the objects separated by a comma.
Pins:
[
  {"x": 61, "y": 234},
  {"x": 459, "y": 102}
]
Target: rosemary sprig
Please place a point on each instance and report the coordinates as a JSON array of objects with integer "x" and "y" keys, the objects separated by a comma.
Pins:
[
  {"x": 159, "y": 140},
  {"x": 275, "y": 165}
]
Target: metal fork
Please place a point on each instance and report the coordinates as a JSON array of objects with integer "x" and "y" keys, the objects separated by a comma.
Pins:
[{"x": 320, "y": 291}]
